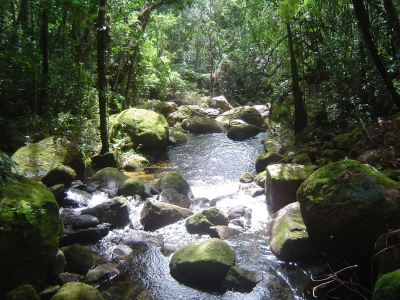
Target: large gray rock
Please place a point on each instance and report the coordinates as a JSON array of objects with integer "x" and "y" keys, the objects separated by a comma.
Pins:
[
  {"x": 101, "y": 274},
  {"x": 173, "y": 197},
  {"x": 174, "y": 180},
  {"x": 220, "y": 103},
  {"x": 78, "y": 259},
  {"x": 282, "y": 183},
  {"x": 199, "y": 124},
  {"x": 185, "y": 112},
  {"x": 156, "y": 214},
  {"x": 244, "y": 132},
  {"x": 206, "y": 261},
  {"x": 266, "y": 159},
  {"x": 145, "y": 128},
  {"x": 289, "y": 238},
  {"x": 247, "y": 114}
]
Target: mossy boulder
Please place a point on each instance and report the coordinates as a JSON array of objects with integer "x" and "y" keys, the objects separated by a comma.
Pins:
[
  {"x": 78, "y": 259},
  {"x": 23, "y": 292},
  {"x": 241, "y": 280},
  {"x": 302, "y": 159},
  {"x": 77, "y": 291},
  {"x": 173, "y": 180},
  {"x": 39, "y": 158},
  {"x": 30, "y": 225},
  {"x": 387, "y": 287},
  {"x": 199, "y": 124},
  {"x": 247, "y": 114},
  {"x": 202, "y": 221},
  {"x": 206, "y": 262},
  {"x": 220, "y": 103},
  {"x": 60, "y": 175},
  {"x": 244, "y": 132},
  {"x": 185, "y": 112},
  {"x": 107, "y": 180},
  {"x": 131, "y": 187},
  {"x": 289, "y": 238},
  {"x": 133, "y": 162},
  {"x": 387, "y": 252},
  {"x": 265, "y": 159},
  {"x": 282, "y": 182},
  {"x": 177, "y": 136},
  {"x": 346, "y": 206},
  {"x": 143, "y": 127},
  {"x": 156, "y": 214}
]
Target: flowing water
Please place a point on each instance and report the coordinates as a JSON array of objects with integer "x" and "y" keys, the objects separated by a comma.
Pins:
[{"x": 212, "y": 165}]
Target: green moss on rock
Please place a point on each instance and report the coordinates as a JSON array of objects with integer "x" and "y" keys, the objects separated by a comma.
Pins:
[
  {"x": 77, "y": 291},
  {"x": 23, "y": 292},
  {"x": 131, "y": 187},
  {"x": 388, "y": 287},
  {"x": 29, "y": 235}
]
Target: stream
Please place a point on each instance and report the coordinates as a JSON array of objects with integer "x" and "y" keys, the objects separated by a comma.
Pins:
[{"x": 212, "y": 165}]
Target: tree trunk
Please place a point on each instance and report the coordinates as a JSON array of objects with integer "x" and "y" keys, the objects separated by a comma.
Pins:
[
  {"x": 363, "y": 20},
  {"x": 300, "y": 115},
  {"x": 44, "y": 38},
  {"x": 101, "y": 71},
  {"x": 393, "y": 19}
]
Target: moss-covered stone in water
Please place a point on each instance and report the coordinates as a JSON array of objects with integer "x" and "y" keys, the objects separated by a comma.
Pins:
[
  {"x": 388, "y": 287},
  {"x": 131, "y": 187},
  {"x": 29, "y": 237},
  {"x": 173, "y": 180},
  {"x": 205, "y": 261},
  {"x": 77, "y": 291},
  {"x": 39, "y": 158}
]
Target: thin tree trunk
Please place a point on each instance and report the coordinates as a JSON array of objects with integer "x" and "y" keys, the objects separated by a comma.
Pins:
[
  {"x": 44, "y": 37},
  {"x": 363, "y": 20},
  {"x": 300, "y": 115},
  {"x": 393, "y": 19},
  {"x": 102, "y": 80}
]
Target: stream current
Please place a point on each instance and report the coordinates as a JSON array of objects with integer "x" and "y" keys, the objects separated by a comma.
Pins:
[{"x": 212, "y": 165}]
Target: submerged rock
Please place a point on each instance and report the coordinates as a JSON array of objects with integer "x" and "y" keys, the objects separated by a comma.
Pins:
[
  {"x": 241, "y": 280},
  {"x": 101, "y": 274},
  {"x": 349, "y": 205},
  {"x": 207, "y": 262}
]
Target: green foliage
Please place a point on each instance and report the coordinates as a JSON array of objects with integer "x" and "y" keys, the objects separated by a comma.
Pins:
[
  {"x": 7, "y": 168},
  {"x": 15, "y": 217}
]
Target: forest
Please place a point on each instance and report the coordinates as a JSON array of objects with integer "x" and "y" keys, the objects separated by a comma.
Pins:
[
  {"x": 101, "y": 98},
  {"x": 66, "y": 64}
]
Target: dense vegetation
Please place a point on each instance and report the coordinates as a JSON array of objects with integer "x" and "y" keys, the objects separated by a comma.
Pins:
[{"x": 65, "y": 63}]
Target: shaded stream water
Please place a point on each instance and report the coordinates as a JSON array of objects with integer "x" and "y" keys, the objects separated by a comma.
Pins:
[{"x": 212, "y": 165}]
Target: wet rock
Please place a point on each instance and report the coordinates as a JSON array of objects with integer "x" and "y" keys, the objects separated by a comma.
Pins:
[
  {"x": 68, "y": 216},
  {"x": 207, "y": 261},
  {"x": 247, "y": 114},
  {"x": 114, "y": 212},
  {"x": 243, "y": 132},
  {"x": 260, "y": 179},
  {"x": 282, "y": 183},
  {"x": 58, "y": 265},
  {"x": 222, "y": 232},
  {"x": 77, "y": 291},
  {"x": 30, "y": 227},
  {"x": 84, "y": 221},
  {"x": 220, "y": 103},
  {"x": 131, "y": 187},
  {"x": 106, "y": 160},
  {"x": 173, "y": 180},
  {"x": 101, "y": 274},
  {"x": 138, "y": 238},
  {"x": 200, "y": 204},
  {"x": 37, "y": 159},
  {"x": 135, "y": 163},
  {"x": 289, "y": 238},
  {"x": 107, "y": 180},
  {"x": 78, "y": 259},
  {"x": 79, "y": 185},
  {"x": 177, "y": 136},
  {"x": 25, "y": 292},
  {"x": 58, "y": 192},
  {"x": 246, "y": 177},
  {"x": 144, "y": 127},
  {"x": 122, "y": 250},
  {"x": 201, "y": 222},
  {"x": 173, "y": 197},
  {"x": 387, "y": 252},
  {"x": 238, "y": 222},
  {"x": 266, "y": 159},
  {"x": 199, "y": 124},
  {"x": 64, "y": 278},
  {"x": 387, "y": 287},
  {"x": 239, "y": 211},
  {"x": 349, "y": 205},
  {"x": 241, "y": 280},
  {"x": 156, "y": 214},
  {"x": 75, "y": 198},
  {"x": 60, "y": 175},
  {"x": 83, "y": 236},
  {"x": 49, "y": 292},
  {"x": 185, "y": 112}
]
